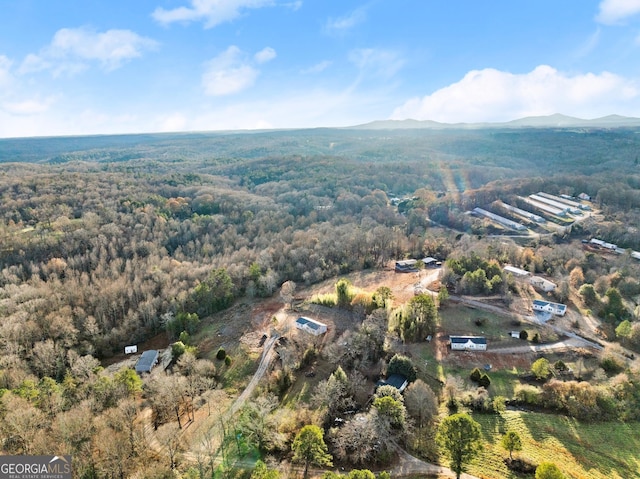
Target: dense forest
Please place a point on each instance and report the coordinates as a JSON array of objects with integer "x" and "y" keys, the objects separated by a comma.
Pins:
[
  {"x": 107, "y": 241},
  {"x": 145, "y": 219}
]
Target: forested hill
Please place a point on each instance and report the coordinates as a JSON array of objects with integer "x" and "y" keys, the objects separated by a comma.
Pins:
[
  {"x": 171, "y": 224},
  {"x": 525, "y": 151}
]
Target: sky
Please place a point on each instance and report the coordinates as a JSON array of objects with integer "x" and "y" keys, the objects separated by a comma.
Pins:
[{"x": 79, "y": 67}]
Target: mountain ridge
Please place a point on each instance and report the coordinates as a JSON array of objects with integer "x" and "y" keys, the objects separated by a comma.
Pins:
[{"x": 557, "y": 120}]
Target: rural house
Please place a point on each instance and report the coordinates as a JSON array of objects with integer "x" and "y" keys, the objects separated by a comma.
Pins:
[
  {"x": 398, "y": 381},
  {"x": 549, "y": 307},
  {"x": 147, "y": 361},
  {"x": 468, "y": 343},
  {"x": 311, "y": 326}
]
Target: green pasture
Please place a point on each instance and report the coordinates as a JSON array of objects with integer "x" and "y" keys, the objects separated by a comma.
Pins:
[{"x": 609, "y": 450}]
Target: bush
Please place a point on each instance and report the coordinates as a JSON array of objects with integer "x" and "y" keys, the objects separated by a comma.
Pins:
[
  {"x": 402, "y": 365},
  {"x": 308, "y": 357},
  {"x": 484, "y": 381},
  {"x": 177, "y": 349},
  {"x": 527, "y": 394},
  {"x": 524, "y": 335},
  {"x": 611, "y": 365},
  {"x": 475, "y": 375},
  {"x": 227, "y": 360},
  {"x": 560, "y": 365},
  {"x": 536, "y": 338},
  {"x": 328, "y": 300},
  {"x": 221, "y": 354}
]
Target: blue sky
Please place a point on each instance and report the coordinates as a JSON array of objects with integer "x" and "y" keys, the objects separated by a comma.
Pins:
[{"x": 120, "y": 66}]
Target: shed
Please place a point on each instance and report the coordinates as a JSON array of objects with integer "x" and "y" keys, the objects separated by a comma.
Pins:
[
  {"x": 147, "y": 361},
  {"x": 406, "y": 266},
  {"x": 517, "y": 272},
  {"x": 468, "y": 343},
  {"x": 542, "y": 284},
  {"x": 430, "y": 262},
  {"x": 311, "y": 326}
]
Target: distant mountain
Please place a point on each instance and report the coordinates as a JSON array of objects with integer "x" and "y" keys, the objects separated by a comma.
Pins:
[{"x": 551, "y": 121}]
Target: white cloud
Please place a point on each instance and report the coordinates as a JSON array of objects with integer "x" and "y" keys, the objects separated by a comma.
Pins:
[
  {"x": 228, "y": 73},
  {"x": 317, "y": 68},
  {"x": 27, "y": 107},
  {"x": 382, "y": 63},
  {"x": 346, "y": 22},
  {"x": 493, "y": 95},
  {"x": 73, "y": 49},
  {"x": 211, "y": 12},
  {"x": 5, "y": 71},
  {"x": 615, "y": 11},
  {"x": 265, "y": 55},
  {"x": 172, "y": 122}
]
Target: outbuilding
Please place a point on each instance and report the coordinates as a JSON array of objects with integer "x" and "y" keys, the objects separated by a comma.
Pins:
[
  {"x": 542, "y": 284},
  {"x": 147, "y": 361}
]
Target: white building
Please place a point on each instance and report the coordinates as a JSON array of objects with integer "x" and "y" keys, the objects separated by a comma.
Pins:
[
  {"x": 468, "y": 343},
  {"x": 549, "y": 307},
  {"x": 517, "y": 272},
  {"x": 542, "y": 284},
  {"x": 311, "y": 326}
]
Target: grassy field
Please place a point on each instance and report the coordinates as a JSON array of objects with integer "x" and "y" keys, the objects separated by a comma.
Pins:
[
  {"x": 582, "y": 451},
  {"x": 459, "y": 319}
]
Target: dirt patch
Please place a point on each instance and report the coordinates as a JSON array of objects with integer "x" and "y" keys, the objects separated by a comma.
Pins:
[{"x": 475, "y": 359}]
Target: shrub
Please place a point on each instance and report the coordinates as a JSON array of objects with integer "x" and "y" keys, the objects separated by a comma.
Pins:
[
  {"x": 402, "y": 365},
  {"x": 475, "y": 375},
  {"x": 540, "y": 369},
  {"x": 524, "y": 335},
  {"x": 227, "y": 360},
  {"x": 221, "y": 354},
  {"x": 559, "y": 365},
  {"x": 484, "y": 381},
  {"x": 536, "y": 338},
  {"x": 328, "y": 300},
  {"x": 611, "y": 365},
  {"x": 526, "y": 394},
  {"x": 177, "y": 349},
  {"x": 308, "y": 357}
]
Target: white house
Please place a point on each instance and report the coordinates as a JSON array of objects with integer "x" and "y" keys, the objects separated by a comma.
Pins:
[
  {"x": 542, "y": 284},
  {"x": 549, "y": 307},
  {"x": 311, "y": 326},
  {"x": 468, "y": 343}
]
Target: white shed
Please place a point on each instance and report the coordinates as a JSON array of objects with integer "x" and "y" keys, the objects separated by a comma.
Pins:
[{"x": 542, "y": 284}]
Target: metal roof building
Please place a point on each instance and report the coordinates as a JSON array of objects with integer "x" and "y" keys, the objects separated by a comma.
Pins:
[{"x": 147, "y": 361}]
